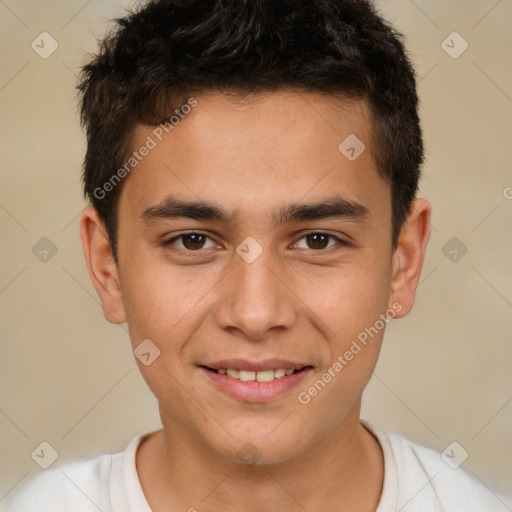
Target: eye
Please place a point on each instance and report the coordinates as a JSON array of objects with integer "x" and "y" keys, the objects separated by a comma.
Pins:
[
  {"x": 191, "y": 242},
  {"x": 194, "y": 241},
  {"x": 319, "y": 241}
]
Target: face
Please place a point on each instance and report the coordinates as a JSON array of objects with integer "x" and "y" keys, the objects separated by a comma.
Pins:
[{"x": 249, "y": 246}]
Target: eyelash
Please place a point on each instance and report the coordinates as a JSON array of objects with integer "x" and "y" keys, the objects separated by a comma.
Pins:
[{"x": 188, "y": 252}]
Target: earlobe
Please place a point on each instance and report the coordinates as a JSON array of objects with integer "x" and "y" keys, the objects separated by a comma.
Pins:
[
  {"x": 409, "y": 255},
  {"x": 101, "y": 265}
]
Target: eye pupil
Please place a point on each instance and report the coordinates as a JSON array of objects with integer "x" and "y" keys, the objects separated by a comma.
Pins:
[
  {"x": 318, "y": 240},
  {"x": 196, "y": 241}
]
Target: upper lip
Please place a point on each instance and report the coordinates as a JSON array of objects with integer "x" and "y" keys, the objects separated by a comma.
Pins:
[{"x": 256, "y": 366}]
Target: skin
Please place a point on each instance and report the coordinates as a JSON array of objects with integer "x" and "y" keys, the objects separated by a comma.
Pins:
[{"x": 295, "y": 301}]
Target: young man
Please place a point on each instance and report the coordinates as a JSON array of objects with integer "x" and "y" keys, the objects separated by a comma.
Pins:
[{"x": 252, "y": 168}]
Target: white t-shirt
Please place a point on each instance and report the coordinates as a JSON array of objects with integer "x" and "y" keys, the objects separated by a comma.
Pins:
[{"x": 416, "y": 479}]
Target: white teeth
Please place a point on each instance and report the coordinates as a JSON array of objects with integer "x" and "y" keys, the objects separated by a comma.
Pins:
[
  {"x": 262, "y": 376},
  {"x": 246, "y": 375},
  {"x": 265, "y": 376}
]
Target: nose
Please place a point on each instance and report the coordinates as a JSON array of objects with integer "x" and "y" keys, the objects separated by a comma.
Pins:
[{"x": 255, "y": 299}]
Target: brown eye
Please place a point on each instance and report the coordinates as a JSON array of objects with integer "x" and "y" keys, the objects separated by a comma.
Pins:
[
  {"x": 191, "y": 242},
  {"x": 317, "y": 240}
]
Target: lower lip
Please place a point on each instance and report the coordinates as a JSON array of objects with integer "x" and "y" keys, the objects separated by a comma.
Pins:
[{"x": 254, "y": 391}]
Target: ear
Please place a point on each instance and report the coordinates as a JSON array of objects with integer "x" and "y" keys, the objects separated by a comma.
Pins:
[
  {"x": 409, "y": 255},
  {"x": 101, "y": 265}
]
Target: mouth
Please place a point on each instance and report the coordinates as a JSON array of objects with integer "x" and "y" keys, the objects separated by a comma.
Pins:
[
  {"x": 252, "y": 375},
  {"x": 255, "y": 382}
]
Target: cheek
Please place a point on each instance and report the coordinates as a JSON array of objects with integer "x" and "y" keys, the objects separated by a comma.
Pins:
[
  {"x": 349, "y": 298},
  {"x": 161, "y": 301},
  {"x": 350, "y": 304}
]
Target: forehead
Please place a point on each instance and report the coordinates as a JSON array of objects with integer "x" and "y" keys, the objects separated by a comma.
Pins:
[
  {"x": 255, "y": 152},
  {"x": 270, "y": 121}
]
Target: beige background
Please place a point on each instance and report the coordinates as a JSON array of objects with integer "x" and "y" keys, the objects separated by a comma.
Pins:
[{"x": 69, "y": 378}]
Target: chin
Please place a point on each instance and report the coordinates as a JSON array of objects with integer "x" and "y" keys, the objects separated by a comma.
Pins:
[{"x": 258, "y": 447}]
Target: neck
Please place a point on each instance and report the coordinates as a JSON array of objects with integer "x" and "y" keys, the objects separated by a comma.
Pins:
[{"x": 344, "y": 471}]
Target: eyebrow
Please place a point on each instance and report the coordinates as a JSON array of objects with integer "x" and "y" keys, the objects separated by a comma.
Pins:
[{"x": 333, "y": 207}]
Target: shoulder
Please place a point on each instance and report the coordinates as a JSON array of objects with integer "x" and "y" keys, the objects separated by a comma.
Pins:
[
  {"x": 427, "y": 477},
  {"x": 81, "y": 486}
]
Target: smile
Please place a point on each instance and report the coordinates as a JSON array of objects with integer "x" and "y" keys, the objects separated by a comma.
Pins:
[
  {"x": 261, "y": 376},
  {"x": 262, "y": 385}
]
